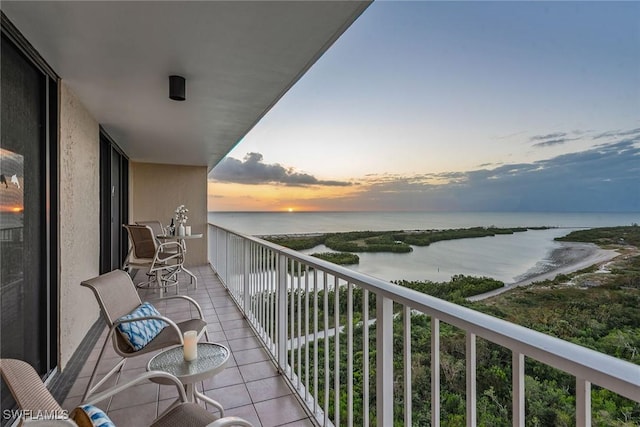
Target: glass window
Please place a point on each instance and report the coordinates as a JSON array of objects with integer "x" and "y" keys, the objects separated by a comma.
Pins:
[{"x": 27, "y": 331}]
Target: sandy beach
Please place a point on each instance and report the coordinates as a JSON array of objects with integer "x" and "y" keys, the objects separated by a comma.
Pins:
[{"x": 570, "y": 257}]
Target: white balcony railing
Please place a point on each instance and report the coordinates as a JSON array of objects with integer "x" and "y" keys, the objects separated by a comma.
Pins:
[{"x": 287, "y": 298}]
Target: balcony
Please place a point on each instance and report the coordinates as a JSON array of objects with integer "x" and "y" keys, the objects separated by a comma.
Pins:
[
  {"x": 261, "y": 302},
  {"x": 250, "y": 386},
  {"x": 268, "y": 303}
]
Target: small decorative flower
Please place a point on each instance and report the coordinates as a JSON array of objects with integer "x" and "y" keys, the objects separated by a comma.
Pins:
[{"x": 181, "y": 214}]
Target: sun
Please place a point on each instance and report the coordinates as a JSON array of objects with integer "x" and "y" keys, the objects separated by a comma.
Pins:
[{"x": 289, "y": 209}]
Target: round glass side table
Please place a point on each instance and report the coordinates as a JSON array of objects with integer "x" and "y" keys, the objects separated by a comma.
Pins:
[{"x": 212, "y": 359}]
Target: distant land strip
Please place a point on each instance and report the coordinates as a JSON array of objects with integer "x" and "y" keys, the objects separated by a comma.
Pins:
[{"x": 386, "y": 241}]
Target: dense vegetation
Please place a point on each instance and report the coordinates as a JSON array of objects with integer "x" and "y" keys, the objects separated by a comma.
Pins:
[
  {"x": 297, "y": 243},
  {"x": 386, "y": 241},
  {"x": 605, "y": 317},
  {"x": 606, "y": 236},
  {"x": 366, "y": 241},
  {"x": 340, "y": 258},
  {"x": 456, "y": 290}
]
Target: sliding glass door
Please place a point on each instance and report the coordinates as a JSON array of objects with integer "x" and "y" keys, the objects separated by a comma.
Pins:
[
  {"x": 28, "y": 246},
  {"x": 114, "y": 203}
]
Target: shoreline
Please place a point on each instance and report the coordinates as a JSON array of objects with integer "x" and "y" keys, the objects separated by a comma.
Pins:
[{"x": 568, "y": 258}]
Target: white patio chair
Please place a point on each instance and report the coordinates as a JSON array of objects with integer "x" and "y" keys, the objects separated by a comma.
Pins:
[
  {"x": 32, "y": 397},
  {"x": 117, "y": 297},
  {"x": 162, "y": 261}
]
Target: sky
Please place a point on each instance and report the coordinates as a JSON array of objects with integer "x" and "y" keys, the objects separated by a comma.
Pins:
[{"x": 454, "y": 106}]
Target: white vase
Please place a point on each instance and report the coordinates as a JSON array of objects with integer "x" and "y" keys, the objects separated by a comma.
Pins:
[{"x": 181, "y": 229}]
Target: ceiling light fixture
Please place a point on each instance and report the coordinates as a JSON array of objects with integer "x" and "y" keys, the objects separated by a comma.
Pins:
[{"x": 177, "y": 88}]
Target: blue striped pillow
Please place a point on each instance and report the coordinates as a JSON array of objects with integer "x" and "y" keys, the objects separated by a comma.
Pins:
[
  {"x": 139, "y": 334},
  {"x": 94, "y": 415}
]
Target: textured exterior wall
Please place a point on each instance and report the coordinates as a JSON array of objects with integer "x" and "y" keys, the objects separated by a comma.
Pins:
[
  {"x": 157, "y": 189},
  {"x": 79, "y": 221}
]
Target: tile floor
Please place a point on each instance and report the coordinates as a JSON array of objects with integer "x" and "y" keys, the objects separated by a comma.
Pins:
[{"x": 250, "y": 386}]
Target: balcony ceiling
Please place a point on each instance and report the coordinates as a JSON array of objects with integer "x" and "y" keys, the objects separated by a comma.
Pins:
[{"x": 238, "y": 58}]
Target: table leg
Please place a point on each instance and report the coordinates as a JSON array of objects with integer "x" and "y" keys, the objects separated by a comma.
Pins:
[
  {"x": 190, "y": 391},
  {"x": 193, "y": 280}
]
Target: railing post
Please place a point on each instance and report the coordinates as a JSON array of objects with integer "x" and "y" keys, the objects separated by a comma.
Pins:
[
  {"x": 518, "y": 389},
  {"x": 226, "y": 260},
  {"x": 384, "y": 361},
  {"x": 435, "y": 372},
  {"x": 281, "y": 312},
  {"x": 471, "y": 380},
  {"x": 408, "y": 391},
  {"x": 583, "y": 403},
  {"x": 365, "y": 357},
  {"x": 246, "y": 292}
]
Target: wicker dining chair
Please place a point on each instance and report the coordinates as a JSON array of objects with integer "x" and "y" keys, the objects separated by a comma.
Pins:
[
  {"x": 33, "y": 397},
  {"x": 117, "y": 297}
]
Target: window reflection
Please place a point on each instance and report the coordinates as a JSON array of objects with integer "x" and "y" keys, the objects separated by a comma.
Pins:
[
  {"x": 11, "y": 203},
  {"x": 11, "y": 247}
]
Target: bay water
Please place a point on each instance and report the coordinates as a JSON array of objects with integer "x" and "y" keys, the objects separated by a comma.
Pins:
[{"x": 508, "y": 258}]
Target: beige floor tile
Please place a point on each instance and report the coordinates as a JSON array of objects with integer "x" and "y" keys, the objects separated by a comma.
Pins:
[
  {"x": 231, "y": 396},
  {"x": 250, "y": 375},
  {"x": 239, "y": 333},
  {"x": 253, "y": 355},
  {"x": 244, "y": 343},
  {"x": 228, "y": 309},
  {"x": 140, "y": 415},
  {"x": 267, "y": 388},
  {"x": 229, "y": 376},
  {"x": 248, "y": 412},
  {"x": 258, "y": 371},
  {"x": 230, "y": 316},
  {"x": 233, "y": 324},
  {"x": 135, "y": 396},
  {"x": 276, "y": 412},
  {"x": 301, "y": 423}
]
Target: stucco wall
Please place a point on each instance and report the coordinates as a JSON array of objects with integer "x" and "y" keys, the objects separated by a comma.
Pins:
[
  {"x": 157, "y": 189},
  {"x": 79, "y": 220}
]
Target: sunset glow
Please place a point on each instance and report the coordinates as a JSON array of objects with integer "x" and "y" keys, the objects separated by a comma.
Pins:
[
  {"x": 423, "y": 106},
  {"x": 11, "y": 208},
  {"x": 243, "y": 197}
]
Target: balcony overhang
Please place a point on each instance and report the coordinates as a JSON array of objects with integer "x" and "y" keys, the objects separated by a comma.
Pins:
[{"x": 238, "y": 58}]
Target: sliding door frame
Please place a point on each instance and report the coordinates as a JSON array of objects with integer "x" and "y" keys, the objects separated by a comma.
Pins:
[
  {"x": 108, "y": 147},
  {"x": 49, "y": 216}
]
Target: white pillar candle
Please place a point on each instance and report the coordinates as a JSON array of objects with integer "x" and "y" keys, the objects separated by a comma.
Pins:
[
  {"x": 187, "y": 230},
  {"x": 190, "y": 345}
]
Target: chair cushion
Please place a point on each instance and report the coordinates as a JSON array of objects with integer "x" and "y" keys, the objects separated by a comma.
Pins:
[
  {"x": 140, "y": 333},
  {"x": 90, "y": 416}
]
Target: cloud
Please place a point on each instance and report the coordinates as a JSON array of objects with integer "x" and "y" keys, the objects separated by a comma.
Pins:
[
  {"x": 602, "y": 179},
  {"x": 553, "y": 142},
  {"x": 252, "y": 170},
  {"x": 618, "y": 133},
  {"x": 551, "y": 139},
  {"x": 548, "y": 136}
]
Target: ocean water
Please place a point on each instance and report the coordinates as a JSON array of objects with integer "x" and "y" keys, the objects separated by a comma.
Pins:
[
  {"x": 265, "y": 223},
  {"x": 508, "y": 258}
]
